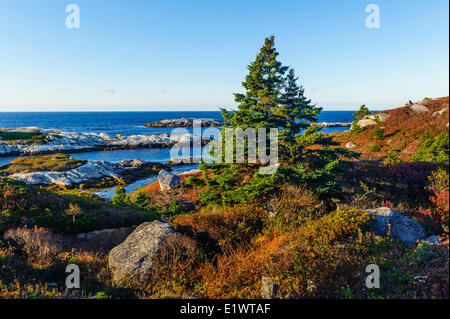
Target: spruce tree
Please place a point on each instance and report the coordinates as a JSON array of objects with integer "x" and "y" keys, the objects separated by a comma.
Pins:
[
  {"x": 263, "y": 85},
  {"x": 274, "y": 99},
  {"x": 363, "y": 111}
]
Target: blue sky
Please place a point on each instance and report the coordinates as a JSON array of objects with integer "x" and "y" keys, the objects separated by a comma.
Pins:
[{"x": 192, "y": 55}]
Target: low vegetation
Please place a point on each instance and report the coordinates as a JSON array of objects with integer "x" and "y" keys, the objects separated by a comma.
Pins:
[
  {"x": 412, "y": 136},
  {"x": 305, "y": 228},
  {"x": 33, "y": 137},
  {"x": 53, "y": 163}
]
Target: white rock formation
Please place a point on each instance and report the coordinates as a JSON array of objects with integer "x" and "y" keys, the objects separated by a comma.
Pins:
[
  {"x": 70, "y": 141},
  {"x": 92, "y": 170}
]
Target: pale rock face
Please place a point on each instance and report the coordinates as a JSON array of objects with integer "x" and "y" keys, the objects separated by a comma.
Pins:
[
  {"x": 439, "y": 113},
  {"x": 381, "y": 117},
  {"x": 167, "y": 181},
  {"x": 350, "y": 145},
  {"x": 90, "y": 171},
  {"x": 419, "y": 108},
  {"x": 135, "y": 256},
  {"x": 388, "y": 221},
  {"x": 367, "y": 122}
]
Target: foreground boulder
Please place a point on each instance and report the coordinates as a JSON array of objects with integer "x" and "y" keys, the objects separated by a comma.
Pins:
[
  {"x": 168, "y": 181},
  {"x": 388, "y": 221},
  {"x": 134, "y": 257}
]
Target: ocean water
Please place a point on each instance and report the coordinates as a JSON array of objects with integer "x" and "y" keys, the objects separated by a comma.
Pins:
[{"x": 125, "y": 123}]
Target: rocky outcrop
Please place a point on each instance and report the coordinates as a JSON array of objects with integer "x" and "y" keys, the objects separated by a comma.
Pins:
[
  {"x": 91, "y": 172},
  {"x": 366, "y": 122},
  {"x": 419, "y": 108},
  {"x": 185, "y": 122},
  {"x": 135, "y": 256},
  {"x": 387, "y": 221},
  {"x": 334, "y": 124},
  {"x": 168, "y": 181},
  {"x": 350, "y": 145},
  {"x": 63, "y": 141},
  {"x": 439, "y": 113},
  {"x": 372, "y": 119}
]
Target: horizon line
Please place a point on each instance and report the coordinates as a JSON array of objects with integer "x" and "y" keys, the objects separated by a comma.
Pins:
[{"x": 143, "y": 111}]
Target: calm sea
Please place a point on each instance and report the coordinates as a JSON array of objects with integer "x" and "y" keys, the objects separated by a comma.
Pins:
[{"x": 125, "y": 123}]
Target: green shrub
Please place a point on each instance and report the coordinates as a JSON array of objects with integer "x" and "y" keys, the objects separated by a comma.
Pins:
[
  {"x": 120, "y": 196},
  {"x": 375, "y": 148},
  {"x": 356, "y": 129},
  {"x": 392, "y": 158},
  {"x": 363, "y": 111},
  {"x": 67, "y": 212},
  {"x": 377, "y": 134},
  {"x": 433, "y": 149}
]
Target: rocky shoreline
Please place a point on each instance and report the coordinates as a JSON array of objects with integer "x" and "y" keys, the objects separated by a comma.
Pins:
[
  {"x": 205, "y": 122},
  {"x": 65, "y": 142},
  {"x": 334, "y": 124},
  {"x": 185, "y": 122},
  {"x": 93, "y": 174}
]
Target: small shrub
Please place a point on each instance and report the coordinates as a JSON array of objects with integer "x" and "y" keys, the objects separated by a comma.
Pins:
[
  {"x": 375, "y": 148},
  {"x": 295, "y": 204},
  {"x": 363, "y": 111},
  {"x": 433, "y": 149},
  {"x": 74, "y": 210},
  {"x": 223, "y": 228},
  {"x": 39, "y": 245},
  {"x": 377, "y": 134},
  {"x": 356, "y": 129},
  {"x": 120, "y": 196},
  {"x": 392, "y": 158}
]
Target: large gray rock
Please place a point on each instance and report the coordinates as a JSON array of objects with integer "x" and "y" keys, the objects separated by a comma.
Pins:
[
  {"x": 380, "y": 117},
  {"x": 419, "y": 108},
  {"x": 389, "y": 221},
  {"x": 366, "y": 122},
  {"x": 168, "y": 181},
  {"x": 134, "y": 257}
]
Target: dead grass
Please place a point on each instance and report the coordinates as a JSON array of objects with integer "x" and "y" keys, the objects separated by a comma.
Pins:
[
  {"x": 38, "y": 245},
  {"x": 53, "y": 163}
]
